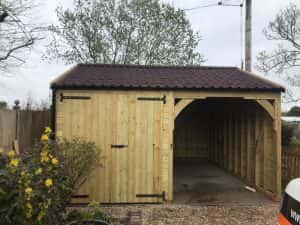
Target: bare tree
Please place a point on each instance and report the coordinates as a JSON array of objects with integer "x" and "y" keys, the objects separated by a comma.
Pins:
[
  {"x": 286, "y": 30},
  {"x": 285, "y": 58},
  {"x": 125, "y": 31},
  {"x": 17, "y": 33}
]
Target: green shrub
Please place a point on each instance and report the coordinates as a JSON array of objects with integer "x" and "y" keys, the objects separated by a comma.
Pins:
[
  {"x": 9, "y": 195},
  {"x": 286, "y": 134},
  {"x": 91, "y": 213},
  {"x": 295, "y": 142},
  {"x": 36, "y": 187},
  {"x": 294, "y": 111}
]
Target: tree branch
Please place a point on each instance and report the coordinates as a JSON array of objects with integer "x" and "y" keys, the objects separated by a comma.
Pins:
[
  {"x": 3, "y": 16},
  {"x": 12, "y": 50},
  {"x": 17, "y": 31}
]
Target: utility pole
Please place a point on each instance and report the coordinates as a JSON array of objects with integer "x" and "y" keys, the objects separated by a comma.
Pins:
[{"x": 248, "y": 36}]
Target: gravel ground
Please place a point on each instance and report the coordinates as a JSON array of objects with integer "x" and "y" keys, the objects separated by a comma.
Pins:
[
  {"x": 204, "y": 195},
  {"x": 190, "y": 215}
]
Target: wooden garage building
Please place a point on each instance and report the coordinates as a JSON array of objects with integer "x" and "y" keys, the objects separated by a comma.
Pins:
[{"x": 144, "y": 117}]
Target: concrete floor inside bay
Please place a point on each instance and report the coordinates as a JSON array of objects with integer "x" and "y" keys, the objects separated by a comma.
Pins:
[{"x": 203, "y": 183}]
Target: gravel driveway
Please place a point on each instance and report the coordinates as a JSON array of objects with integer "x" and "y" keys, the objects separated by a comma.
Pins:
[
  {"x": 205, "y": 195},
  {"x": 190, "y": 215}
]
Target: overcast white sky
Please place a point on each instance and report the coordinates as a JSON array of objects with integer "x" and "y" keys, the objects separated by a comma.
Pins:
[{"x": 219, "y": 28}]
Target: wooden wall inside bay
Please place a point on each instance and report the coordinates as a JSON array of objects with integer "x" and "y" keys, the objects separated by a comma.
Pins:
[{"x": 191, "y": 136}]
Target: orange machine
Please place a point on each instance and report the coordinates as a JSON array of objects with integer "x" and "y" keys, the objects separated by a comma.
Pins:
[{"x": 290, "y": 208}]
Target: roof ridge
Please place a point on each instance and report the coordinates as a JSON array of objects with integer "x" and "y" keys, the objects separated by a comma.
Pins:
[{"x": 154, "y": 66}]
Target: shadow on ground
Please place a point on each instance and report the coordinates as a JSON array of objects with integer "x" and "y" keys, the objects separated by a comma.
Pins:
[{"x": 203, "y": 183}]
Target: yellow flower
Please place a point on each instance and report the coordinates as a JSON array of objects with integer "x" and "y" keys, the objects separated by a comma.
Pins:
[
  {"x": 14, "y": 162},
  {"x": 44, "y": 159},
  {"x": 44, "y": 153},
  {"x": 11, "y": 153},
  {"x": 49, "y": 182},
  {"x": 48, "y": 130},
  {"x": 38, "y": 171},
  {"x": 1, "y": 150},
  {"x": 44, "y": 156},
  {"x": 28, "y": 190},
  {"x": 45, "y": 137},
  {"x": 54, "y": 161}
]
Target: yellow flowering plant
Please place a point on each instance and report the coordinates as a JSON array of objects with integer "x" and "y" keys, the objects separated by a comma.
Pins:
[
  {"x": 11, "y": 154},
  {"x": 48, "y": 130},
  {"x": 38, "y": 171},
  {"x": 48, "y": 182},
  {"x": 27, "y": 198},
  {"x": 45, "y": 137},
  {"x": 36, "y": 187}
]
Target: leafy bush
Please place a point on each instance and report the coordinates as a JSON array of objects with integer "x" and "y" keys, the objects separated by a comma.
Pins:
[
  {"x": 295, "y": 142},
  {"x": 286, "y": 134},
  {"x": 9, "y": 195},
  {"x": 3, "y": 105},
  {"x": 91, "y": 213},
  {"x": 294, "y": 111},
  {"x": 36, "y": 187}
]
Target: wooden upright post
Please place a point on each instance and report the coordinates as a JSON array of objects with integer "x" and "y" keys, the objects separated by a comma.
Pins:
[
  {"x": 248, "y": 36},
  {"x": 278, "y": 143}
]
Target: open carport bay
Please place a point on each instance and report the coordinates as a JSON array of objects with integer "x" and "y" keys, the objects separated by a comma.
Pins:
[{"x": 218, "y": 145}]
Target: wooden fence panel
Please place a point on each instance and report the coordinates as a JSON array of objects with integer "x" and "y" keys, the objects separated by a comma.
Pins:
[
  {"x": 290, "y": 165},
  {"x": 7, "y": 128},
  {"x": 24, "y": 126},
  {"x": 31, "y": 125}
]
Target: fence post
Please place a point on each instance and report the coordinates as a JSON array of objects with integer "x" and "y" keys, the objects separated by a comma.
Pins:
[{"x": 15, "y": 144}]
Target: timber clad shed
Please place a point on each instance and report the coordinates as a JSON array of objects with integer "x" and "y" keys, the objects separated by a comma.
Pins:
[{"x": 145, "y": 118}]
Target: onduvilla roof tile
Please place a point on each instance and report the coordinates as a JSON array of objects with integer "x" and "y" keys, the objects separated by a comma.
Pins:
[{"x": 114, "y": 76}]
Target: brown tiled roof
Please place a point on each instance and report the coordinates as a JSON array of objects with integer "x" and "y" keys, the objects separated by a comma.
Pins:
[{"x": 103, "y": 76}]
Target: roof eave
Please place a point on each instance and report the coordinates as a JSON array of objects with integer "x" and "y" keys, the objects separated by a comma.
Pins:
[{"x": 59, "y": 87}]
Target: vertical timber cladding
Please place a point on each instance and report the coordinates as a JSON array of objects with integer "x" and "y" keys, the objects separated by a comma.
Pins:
[
  {"x": 135, "y": 139},
  {"x": 136, "y": 136},
  {"x": 249, "y": 149},
  {"x": 257, "y": 149}
]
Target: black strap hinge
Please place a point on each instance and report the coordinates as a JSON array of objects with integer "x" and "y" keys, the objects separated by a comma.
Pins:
[
  {"x": 80, "y": 196},
  {"x": 119, "y": 146},
  {"x": 163, "y": 99},
  {"x": 162, "y": 196},
  {"x": 63, "y": 97}
]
